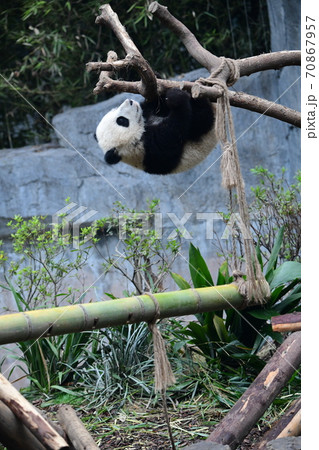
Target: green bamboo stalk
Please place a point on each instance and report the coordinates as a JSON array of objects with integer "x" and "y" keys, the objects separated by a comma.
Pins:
[{"x": 27, "y": 325}]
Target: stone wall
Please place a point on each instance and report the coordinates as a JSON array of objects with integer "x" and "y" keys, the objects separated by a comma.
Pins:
[{"x": 36, "y": 180}]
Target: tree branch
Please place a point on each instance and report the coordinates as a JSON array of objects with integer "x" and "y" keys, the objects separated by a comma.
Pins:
[
  {"x": 109, "y": 18},
  {"x": 133, "y": 58},
  {"x": 195, "y": 49},
  {"x": 268, "y": 61},
  {"x": 149, "y": 86},
  {"x": 247, "y": 66}
]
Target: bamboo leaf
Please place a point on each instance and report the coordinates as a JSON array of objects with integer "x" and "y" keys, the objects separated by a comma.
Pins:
[
  {"x": 180, "y": 281},
  {"x": 287, "y": 272},
  {"x": 200, "y": 274},
  {"x": 223, "y": 274},
  {"x": 275, "y": 252},
  {"x": 221, "y": 328}
]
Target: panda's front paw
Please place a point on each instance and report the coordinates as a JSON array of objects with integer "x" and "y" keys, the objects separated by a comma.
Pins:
[
  {"x": 176, "y": 98},
  {"x": 112, "y": 157}
]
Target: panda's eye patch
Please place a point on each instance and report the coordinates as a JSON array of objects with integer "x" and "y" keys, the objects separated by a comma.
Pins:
[{"x": 122, "y": 121}]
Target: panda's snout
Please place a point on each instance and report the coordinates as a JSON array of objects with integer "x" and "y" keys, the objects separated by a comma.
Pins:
[
  {"x": 94, "y": 135},
  {"x": 129, "y": 102}
]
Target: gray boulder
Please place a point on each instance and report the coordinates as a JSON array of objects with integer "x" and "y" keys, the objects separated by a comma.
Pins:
[{"x": 287, "y": 443}]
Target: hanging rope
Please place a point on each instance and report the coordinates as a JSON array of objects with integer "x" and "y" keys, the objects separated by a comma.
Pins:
[
  {"x": 164, "y": 376},
  {"x": 255, "y": 288}
]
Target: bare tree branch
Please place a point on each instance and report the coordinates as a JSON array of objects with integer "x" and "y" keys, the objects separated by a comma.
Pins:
[
  {"x": 106, "y": 74},
  {"x": 267, "y": 61},
  {"x": 206, "y": 59},
  {"x": 195, "y": 49},
  {"x": 149, "y": 86},
  {"x": 133, "y": 58},
  {"x": 252, "y": 103},
  {"x": 109, "y": 18}
]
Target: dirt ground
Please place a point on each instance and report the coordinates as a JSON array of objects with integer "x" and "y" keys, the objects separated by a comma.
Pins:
[{"x": 141, "y": 427}]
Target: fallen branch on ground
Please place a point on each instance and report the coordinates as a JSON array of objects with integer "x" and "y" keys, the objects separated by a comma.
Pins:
[{"x": 260, "y": 394}]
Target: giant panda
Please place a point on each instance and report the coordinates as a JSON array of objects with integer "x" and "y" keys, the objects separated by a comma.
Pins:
[{"x": 170, "y": 135}]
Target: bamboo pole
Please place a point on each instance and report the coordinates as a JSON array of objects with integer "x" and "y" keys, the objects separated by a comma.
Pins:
[{"x": 28, "y": 325}]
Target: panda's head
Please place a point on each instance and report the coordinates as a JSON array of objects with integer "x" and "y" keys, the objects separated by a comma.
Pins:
[{"x": 119, "y": 134}]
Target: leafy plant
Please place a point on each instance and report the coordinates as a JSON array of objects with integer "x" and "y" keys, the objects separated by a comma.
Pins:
[
  {"x": 45, "y": 262},
  {"x": 141, "y": 256},
  {"x": 122, "y": 364},
  {"x": 233, "y": 336},
  {"x": 36, "y": 279},
  {"x": 53, "y": 362},
  {"x": 276, "y": 205}
]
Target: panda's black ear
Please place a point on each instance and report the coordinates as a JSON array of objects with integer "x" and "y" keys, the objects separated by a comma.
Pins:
[{"x": 112, "y": 157}]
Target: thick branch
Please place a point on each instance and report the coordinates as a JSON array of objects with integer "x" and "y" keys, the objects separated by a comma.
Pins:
[
  {"x": 109, "y": 18},
  {"x": 30, "y": 417},
  {"x": 238, "y": 99},
  {"x": 13, "y": 434},
  {"x": 149, "y": 87},
  {"x": 286, "y": 322},
  {"x": 269, "y": 61},
  {"x": 195, "y": 49},
  {"x": 289, "y": 421},
  {"x": 133, "y": 56},
  {"x": 265, "y": 107},
  {"x": 247, "y": 66},
  {"x": 252, "y": 103},
  {"x": 260, "y": 394},
  {"x": 74, "y": 428}
]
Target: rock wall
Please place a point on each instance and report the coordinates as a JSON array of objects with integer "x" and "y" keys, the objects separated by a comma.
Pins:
[{"x": 36, "y": 180}]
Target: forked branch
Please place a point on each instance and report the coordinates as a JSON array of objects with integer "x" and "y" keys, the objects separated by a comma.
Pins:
[{"x": 150, "y": 86}]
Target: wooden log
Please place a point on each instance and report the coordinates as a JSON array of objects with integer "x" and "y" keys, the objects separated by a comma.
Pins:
[
  {"x": 293, "y": 428},
  {"x": 30, "y": 417},
  {"x": 286, "y": 424},
  {"x": 75, "y": 430},
  {"x": 257, "y": 398},
  {"x": 286, "y": 322},
  {"x": 13, "y": 434}
]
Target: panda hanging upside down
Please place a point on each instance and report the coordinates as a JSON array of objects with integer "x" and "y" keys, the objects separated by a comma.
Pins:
[{"x": 170, "y": 135}]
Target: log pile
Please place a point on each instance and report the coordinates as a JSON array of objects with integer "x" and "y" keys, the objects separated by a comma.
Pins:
[
  {"x": 24, "y": 427},
  {"x": 261, "y": 393},
  {"x": 243, "y": 416}
]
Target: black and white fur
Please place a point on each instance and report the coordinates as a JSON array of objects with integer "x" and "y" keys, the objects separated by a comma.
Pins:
[{"x": 170, "y": 135}]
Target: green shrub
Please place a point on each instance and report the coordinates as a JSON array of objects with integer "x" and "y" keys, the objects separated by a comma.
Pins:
[
  {"x": 236, "y": 337},
  {"x": 276, "y": 205}
]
